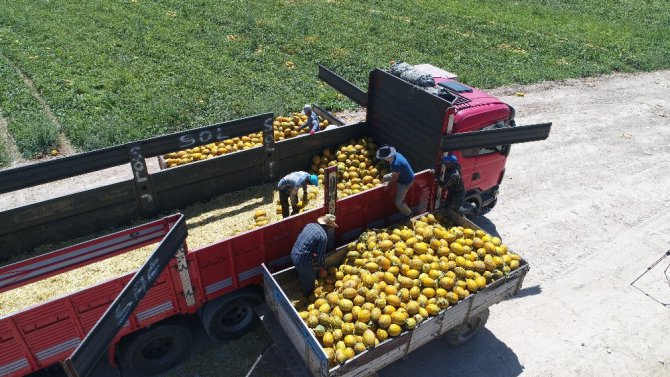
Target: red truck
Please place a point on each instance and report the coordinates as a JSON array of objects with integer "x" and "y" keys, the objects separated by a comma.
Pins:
[
  {"x": 483, "y": 168},
  {"x": 220, "y": 284}
]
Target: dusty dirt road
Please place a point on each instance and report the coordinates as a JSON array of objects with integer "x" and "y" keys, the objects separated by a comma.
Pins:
[{"x": 589, "y": 208}]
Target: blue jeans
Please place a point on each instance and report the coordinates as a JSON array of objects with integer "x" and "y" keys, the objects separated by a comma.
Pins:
[{"x": 306, "y": 278}]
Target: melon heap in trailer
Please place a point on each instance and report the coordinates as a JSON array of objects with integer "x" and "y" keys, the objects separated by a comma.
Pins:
[
  {"x": 283, "y": 128},
  {"x": 392, "y": 280},
  {"x": 357, "y": 170},
  {"x": 357, "y": 167}
]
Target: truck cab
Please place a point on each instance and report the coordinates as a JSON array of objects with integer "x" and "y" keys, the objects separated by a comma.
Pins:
[{"x": 475, "y": 110}]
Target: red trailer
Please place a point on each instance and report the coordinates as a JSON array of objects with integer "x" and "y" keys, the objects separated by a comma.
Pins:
[
  {"x": 219, "y": 284},
  {"x": 223, "y": 285}
]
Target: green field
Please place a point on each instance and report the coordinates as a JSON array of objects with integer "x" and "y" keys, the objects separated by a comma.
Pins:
[{"x": 114, "y": 71}]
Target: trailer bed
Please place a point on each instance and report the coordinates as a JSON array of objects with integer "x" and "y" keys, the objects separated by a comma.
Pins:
[{"x": 312, "y": 354}]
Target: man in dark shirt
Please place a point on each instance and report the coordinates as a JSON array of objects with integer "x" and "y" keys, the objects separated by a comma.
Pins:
[
  {"x": 311, "y": 243},
  {"x": 401, "y": 175},
  {"x": 453, "y": 182}
]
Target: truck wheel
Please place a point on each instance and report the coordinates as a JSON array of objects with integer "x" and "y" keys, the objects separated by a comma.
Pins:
[
  {"x": 467, "y": 330},
  {"x": 230, "y": 316},
  {"x": 155, "y": 350}
]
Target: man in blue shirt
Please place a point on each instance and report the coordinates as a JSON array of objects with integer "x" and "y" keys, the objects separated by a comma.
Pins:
[
  {"x": 311, "y": 244},
  {"x": 289, "y": 186},
  {"x": 312, "y": 120},
  {"x": 401, "y": 175}
]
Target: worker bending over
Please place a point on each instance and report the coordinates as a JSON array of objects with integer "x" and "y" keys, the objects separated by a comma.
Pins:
[
  {"x": 401, "y": 175},
  {"x": 289, "y": 186},
  {"x": 311, "y": 245},
  {"x": 312, "y": 121}
]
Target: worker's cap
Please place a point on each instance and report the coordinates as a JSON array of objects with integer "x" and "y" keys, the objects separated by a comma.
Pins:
[
  {"x": 307, "y": 108},
  {"x": 327, "y": 220},
  {"x": 314, "y": 180},
  {"x": 385, "y": 151},
  {"x": 450, "y": 159}
]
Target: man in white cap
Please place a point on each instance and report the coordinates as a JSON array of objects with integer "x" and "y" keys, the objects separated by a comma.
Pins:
[
  {"x": 311, "y": 244},
  {"x": 312, "y": 120},
  {"x": 401, "y": 175}
]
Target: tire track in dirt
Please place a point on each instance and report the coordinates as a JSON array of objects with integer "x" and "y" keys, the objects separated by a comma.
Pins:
[
  {"x": 65, "y": 147},
  {"x": 9, "y": 142}
]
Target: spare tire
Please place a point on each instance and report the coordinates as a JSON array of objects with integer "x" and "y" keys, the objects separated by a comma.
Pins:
[{"x": 467, "y": 330}]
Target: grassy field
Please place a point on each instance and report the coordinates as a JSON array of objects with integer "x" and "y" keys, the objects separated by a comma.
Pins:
[{"x": 114, "y": 71}]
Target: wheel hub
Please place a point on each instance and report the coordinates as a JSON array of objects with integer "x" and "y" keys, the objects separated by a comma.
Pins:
[
  {"x": 237, "y": 317},
  {"x": 158, "y": 348}
]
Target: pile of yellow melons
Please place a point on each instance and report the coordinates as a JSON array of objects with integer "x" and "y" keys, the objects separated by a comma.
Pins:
[{"x": 392, "y": 280}]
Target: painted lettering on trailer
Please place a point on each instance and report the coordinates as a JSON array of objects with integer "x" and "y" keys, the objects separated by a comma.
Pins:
[
  {"x": 268, "y": 141},
  {"x": 137, "y": 163},
  {"x": 202, "y": 137},
  {"x": 332, "y": 191},
  {"x": 138, "y": 290}
]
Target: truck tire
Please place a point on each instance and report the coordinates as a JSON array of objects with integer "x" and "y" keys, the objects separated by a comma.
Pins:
[
  {"x": 230, "y": 316},
  {"x": 467, "y": 330},
  {"x": 155, "y": 350}
]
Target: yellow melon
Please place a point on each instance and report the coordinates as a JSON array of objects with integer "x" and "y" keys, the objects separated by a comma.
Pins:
[
  {"x": 381, "y": 334},
  {"x": 363, "y": 315},
  {"x": 394, "y": 330},
  {"x": 350, "y": 340},
  {"x": 327, "y": 339},
  {"x": 345, "y": 305},
  {"x": 384, "y": 321},
  {"x": 369, "y": 338},
  {"x": 399, "y": 317}
]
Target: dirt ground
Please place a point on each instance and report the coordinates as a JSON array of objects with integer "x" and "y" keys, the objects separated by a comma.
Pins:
[{"x": 588, "y": 208}]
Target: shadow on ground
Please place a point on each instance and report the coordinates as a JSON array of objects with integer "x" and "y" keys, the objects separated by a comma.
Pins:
[
  {"x": 486, "y": 224},
  {"x": 527, "y": 291},
  {"x": 484, "y": 356}
]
